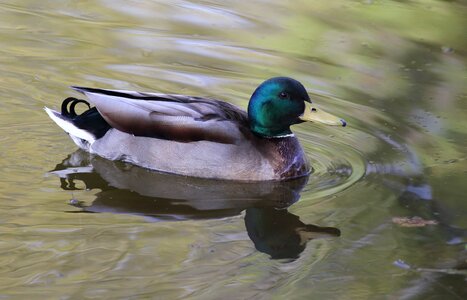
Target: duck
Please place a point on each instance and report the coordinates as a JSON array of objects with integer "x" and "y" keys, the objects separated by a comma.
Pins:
[{"x": 196, "y": 136}]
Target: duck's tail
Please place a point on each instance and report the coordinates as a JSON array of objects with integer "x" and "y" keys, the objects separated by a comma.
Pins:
[{"x": 84, "y": 129}]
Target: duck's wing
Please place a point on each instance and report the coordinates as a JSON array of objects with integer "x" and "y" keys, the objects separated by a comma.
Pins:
[{"x": 172, "y": 117}]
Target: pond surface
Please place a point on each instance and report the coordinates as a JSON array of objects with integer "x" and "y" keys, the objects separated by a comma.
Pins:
[{"x": 383, "y": 216}]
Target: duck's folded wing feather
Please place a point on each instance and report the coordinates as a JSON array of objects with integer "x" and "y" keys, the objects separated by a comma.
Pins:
[{"x": 173, "y": 117}]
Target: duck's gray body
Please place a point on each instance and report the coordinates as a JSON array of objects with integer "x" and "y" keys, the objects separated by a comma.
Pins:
[
  {"x": 183, "y": 135},
  {"x": 238, "y": 161}
]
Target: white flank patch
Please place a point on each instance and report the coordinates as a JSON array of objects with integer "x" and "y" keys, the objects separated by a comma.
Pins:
[{"x": 69, "y": 127}]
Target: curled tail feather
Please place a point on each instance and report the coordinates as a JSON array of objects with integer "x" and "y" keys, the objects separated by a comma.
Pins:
[{"x": 83, "y": 128}]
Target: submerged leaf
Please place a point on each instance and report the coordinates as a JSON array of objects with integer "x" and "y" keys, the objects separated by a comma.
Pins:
[{"x": 413, "y": 222}]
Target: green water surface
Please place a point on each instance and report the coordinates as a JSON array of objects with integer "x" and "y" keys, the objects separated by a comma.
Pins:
[{"x": 79, "y": 227}]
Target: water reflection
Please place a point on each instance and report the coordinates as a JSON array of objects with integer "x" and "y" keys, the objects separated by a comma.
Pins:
[
  {"x": 128, "y": 189},
  {"x": 280, "y": 233}
]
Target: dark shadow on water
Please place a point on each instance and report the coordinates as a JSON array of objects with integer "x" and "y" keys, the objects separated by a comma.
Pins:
[
  {"x": 128, "y": 189},
  {"x": 280, "y": 233}
]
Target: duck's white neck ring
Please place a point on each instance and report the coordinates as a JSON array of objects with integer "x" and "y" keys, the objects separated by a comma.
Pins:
[{"x": 280, "y": 136}]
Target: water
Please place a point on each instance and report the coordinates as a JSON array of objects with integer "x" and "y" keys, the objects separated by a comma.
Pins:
[{"x": 396, "y": 71}]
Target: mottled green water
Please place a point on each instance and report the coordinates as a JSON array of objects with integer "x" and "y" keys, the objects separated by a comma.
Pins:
[{"x": 395, "y": 70}]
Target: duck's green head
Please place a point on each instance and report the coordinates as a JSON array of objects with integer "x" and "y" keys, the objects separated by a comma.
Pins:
[{"x": 281, "y": 102}]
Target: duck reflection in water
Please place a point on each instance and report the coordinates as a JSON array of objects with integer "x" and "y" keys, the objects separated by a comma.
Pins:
[
  {"x": 133, "y": 190},
  {"x": 280, "y": 233}
]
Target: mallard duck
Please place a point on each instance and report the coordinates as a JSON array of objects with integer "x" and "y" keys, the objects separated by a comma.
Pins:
[{"x": 194, "y": 136}]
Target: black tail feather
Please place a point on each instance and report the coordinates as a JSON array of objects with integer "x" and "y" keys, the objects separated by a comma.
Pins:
[
  {"x": 71, "y": 113},
  {"x": 90, "y": 120}
]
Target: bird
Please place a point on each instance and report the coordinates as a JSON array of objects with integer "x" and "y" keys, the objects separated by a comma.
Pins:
[{"x": 196, "y": 136}]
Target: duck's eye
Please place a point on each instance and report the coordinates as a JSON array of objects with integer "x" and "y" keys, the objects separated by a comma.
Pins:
[{"x": 283, "y": 95}]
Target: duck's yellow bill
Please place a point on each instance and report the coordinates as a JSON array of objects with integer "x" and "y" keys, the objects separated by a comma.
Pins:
[{"x": 313, "y": 113}]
